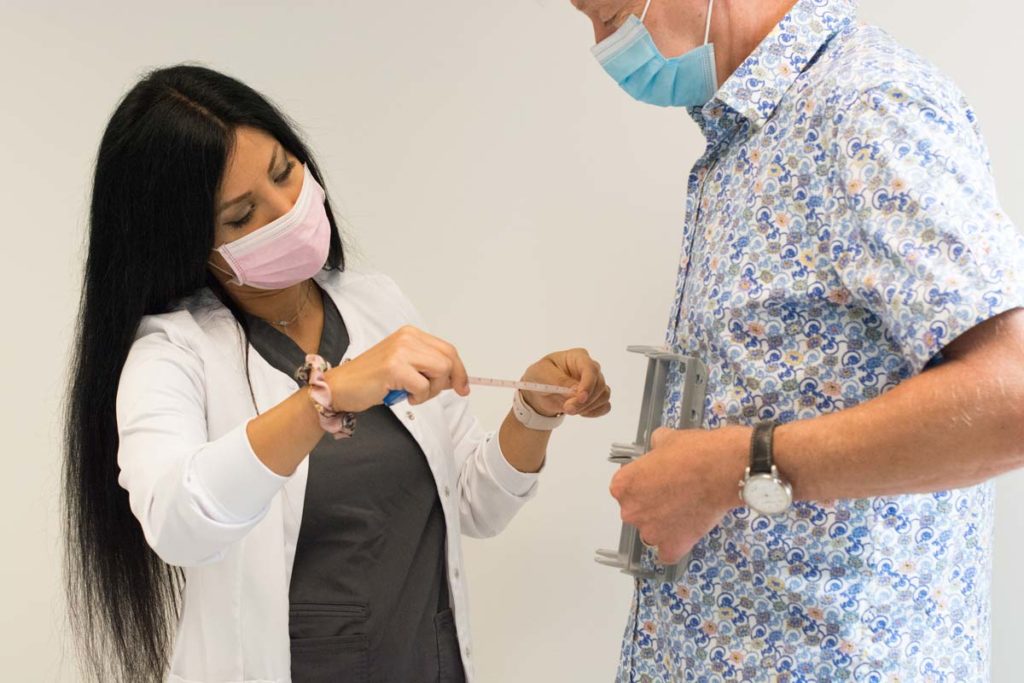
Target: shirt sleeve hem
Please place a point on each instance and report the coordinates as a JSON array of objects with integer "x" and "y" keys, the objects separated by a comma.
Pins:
[
  {"x": 514, "y": 482},
  {"x": 935, "y": 345},
  {"x": 231, "y": 483}
]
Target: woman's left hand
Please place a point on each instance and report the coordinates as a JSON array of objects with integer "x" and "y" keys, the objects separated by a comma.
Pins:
[{"x": 575, "y": 369}]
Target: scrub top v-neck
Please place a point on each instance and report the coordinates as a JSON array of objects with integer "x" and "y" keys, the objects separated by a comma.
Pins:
[{"x": 369, "y": 593}]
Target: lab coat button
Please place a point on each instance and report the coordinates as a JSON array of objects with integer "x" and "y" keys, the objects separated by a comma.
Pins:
[
  {"x": 456, "y": 573},
  {"x": 447, "y": 492},
  {"x": 409, "y": 415}
]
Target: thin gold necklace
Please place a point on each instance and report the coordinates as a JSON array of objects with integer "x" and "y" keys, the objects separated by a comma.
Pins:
[{"x": 286, "y": 323}]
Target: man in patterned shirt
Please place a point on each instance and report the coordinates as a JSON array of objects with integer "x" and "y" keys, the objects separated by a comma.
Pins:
[{"x": 846, "y": 273}]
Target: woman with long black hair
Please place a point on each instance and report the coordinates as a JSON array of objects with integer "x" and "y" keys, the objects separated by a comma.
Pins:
[{"x": 240, "y": 506}]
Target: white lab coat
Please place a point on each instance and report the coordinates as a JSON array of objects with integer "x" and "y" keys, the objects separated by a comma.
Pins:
[{"x": 206, "y": 503}]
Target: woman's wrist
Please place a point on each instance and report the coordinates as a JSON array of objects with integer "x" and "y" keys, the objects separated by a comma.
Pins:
[
  {"x": 531, "y": 404},
  {"x": 334, "y": 379},
  {"x": 530, "y": 418},
  {"x": 338, "y": 423},
  {"x": 524, "y": 449}
]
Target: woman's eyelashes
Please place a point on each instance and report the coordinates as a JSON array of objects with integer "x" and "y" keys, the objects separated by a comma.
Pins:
[
  {"x": 283, "y": 176},
  {"x": 280, "y": 179},
  {"x": 245, "y": 219}
]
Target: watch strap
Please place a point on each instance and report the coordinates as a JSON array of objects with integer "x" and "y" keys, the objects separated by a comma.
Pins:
[
  {"x": 761, "y": 459},
  {"x": 530, "y": 418}
]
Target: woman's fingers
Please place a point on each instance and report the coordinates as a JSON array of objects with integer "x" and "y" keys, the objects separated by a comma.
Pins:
[
  {"x": 600, "y": 411},
  {"x": 425, "y": 366},
  {"x": 458, "y": 378},
  {"x": 601, "y": 400},
  {"x": 597, "y": 395},
  {"x": 436, "y": 367},
  {"x": 415, "y": 384},
  {"x": 585, "y": 370},
  {"x": 545, "y": 404},
  {"x": 574, "y": 369},
  {"x": 600, "y": 407}
]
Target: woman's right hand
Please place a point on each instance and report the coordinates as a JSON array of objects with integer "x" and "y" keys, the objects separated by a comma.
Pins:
[{"x": 410, "y": 360}]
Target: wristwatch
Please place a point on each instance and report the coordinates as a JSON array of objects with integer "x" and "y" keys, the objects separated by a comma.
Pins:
[
  {"x": 530, "y": 418},
  {"x": 762, "y": 488}
]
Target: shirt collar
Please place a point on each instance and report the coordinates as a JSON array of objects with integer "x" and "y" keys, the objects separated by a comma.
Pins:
[{"x": 754, "y": 90}]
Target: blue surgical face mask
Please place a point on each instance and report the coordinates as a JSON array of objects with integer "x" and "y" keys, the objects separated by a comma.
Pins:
[{"x": 630, "y": 57}]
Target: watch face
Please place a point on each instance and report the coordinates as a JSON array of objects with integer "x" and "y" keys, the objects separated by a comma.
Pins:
[{"x": 766, "y": 494}]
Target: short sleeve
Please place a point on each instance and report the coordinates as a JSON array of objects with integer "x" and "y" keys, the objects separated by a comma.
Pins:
[{"x": 922, "y": 241}]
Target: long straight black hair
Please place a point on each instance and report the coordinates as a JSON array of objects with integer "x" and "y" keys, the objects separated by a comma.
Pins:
[{"x": 151, "y": 229}]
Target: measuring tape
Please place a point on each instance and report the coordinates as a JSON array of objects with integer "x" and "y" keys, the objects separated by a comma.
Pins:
[{"x": 398, "y": 395}]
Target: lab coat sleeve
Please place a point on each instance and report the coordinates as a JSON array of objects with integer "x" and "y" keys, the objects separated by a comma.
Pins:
[
  {"x": 193, "y": 497},
  {"x": 490, "y": 490}
]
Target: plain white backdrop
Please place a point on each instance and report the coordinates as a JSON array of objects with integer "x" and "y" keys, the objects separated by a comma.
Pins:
[{"x": 479, "y": 156}]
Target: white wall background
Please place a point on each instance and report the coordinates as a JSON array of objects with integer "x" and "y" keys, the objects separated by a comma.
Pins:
[{"x": 480, "y": 157}]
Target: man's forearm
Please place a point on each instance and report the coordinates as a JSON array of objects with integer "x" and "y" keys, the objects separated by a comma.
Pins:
[{"x": 955, "y": 425}]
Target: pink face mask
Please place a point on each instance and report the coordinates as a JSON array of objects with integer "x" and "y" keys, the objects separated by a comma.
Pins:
[{"x": 285, "y": 251}]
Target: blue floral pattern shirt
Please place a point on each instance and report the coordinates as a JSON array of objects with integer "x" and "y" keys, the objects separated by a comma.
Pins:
[{"x": 841, "y": 228}]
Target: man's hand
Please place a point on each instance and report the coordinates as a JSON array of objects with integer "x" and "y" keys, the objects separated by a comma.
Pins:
[{"x": 681, "y": 490}]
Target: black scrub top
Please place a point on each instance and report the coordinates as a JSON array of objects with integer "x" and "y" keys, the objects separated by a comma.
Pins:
[{"x": 369, "y": 591}]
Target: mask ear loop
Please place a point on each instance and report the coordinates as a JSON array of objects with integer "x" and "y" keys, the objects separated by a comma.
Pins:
[
  {"x": 644, "y": 13},
  {"x": 234, "y": 276},
  {"x": 707, "y": 27}
]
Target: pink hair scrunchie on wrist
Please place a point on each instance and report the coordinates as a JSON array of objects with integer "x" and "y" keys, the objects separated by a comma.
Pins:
[{"x": 339, "y": 424}]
